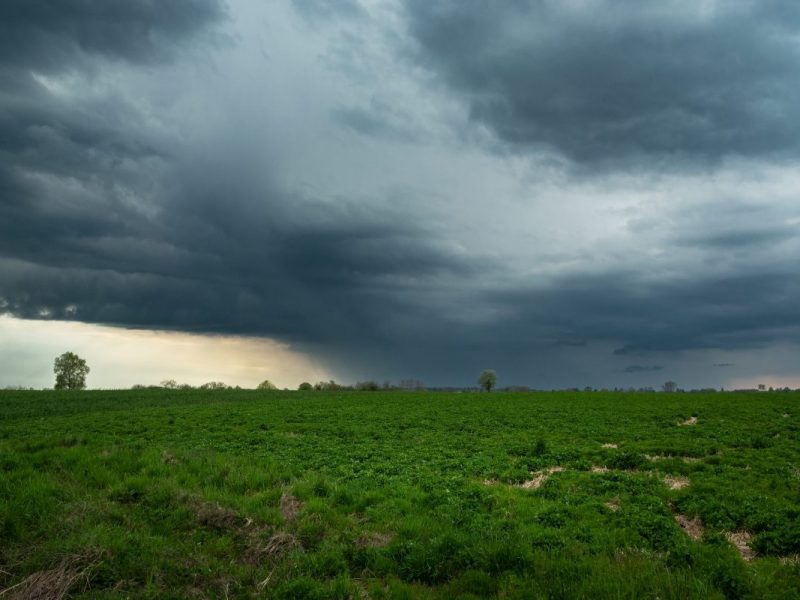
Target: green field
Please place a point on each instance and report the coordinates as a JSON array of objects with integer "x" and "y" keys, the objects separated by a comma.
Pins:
[{"x": 241, "y": 494}]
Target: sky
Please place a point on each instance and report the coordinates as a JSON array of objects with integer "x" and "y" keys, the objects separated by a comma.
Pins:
[{"x": 572, "y": 192}]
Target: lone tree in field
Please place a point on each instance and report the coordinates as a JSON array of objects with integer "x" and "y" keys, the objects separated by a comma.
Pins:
[
  {"x": 71, "y": 371},
  {"x": 305, "y": 387},
  {"x": 266, "y": 385},
  {"x": 487, "y": 380}
]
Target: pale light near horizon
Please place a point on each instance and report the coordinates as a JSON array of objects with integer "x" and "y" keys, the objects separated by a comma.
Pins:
[{"x": 120, "y": 358}]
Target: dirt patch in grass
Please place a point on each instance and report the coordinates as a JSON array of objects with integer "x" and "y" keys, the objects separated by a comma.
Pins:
[
  {"x": 374, "y": 539},
  {"x": 676, "y": 483},
  {"x": 290, "y": 506},
  {"x": 613, "y": 504},
  {"x": 610, "y": 445},
  {"x": 692, "y": 527},
  {"x": 658, "y": 457},
  {"x": 689, "y": 421},
  {"x": 741, "y": 539},
  {"x": 539, "y": 477},
  {"x": 599, "y": 469},
  {"x": 54, "y": 584}
]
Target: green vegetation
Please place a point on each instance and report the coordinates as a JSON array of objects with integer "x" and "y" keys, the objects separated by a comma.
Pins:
[
  {"x": 240, "y": 494},
  {"x": 487, "y": 380},
  {"x": 71, "y": 371}
]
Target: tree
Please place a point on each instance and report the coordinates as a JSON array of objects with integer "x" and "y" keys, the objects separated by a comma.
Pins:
[
  {"x": 669, "y": 386},
  {"x": 266, "y": 385},
  {"x": 328, "y": 386},
  {"x": 367, "y": 386},
  {"x": 487, "y": 380},
  {"x": 71, "y": 371},
  {"x": 214, "y": 385},
  {"x": 305, "y": 387}
]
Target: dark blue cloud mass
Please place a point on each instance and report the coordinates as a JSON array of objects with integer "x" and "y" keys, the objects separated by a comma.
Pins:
[
  {"x": 622, "y": 81},
  {"x": 114, "y": 211}
]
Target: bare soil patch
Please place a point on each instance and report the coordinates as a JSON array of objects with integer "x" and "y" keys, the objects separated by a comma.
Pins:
[
  {"x": 692, "y": 527},
  {"x": 676, "y": 483},
  {"x": 290, "y": 507},
  {"x": 658, "y": 457},
  {"x": 539, "y": 477},
  {"x": 741, "y": 539}
]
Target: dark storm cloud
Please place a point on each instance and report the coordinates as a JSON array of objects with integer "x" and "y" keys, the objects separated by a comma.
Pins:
[
  {"x": 608, "y": 80},
  {"x": 52, "y": 34},
  {"x": 643, "y": 368},
  {"x": 102, "y": 222},
  {"x": 712, "y": 311},
  {"x": 73, "y": 170},
  {"x": 108, "y": 218}
]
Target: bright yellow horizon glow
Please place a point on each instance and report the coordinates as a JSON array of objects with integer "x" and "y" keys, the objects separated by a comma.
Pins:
[{"x": 120, "y": 358}]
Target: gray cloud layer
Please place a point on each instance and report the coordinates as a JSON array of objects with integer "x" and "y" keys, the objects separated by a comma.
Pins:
[
  {"x": 111, "y": 213},
  {"x": 622, "y": 80}
]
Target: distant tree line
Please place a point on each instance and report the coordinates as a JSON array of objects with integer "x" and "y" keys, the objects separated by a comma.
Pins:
[{"x": 71, "y": 371}]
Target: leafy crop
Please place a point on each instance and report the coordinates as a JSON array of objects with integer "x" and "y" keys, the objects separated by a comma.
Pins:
[{"x": 241, "y": 494}]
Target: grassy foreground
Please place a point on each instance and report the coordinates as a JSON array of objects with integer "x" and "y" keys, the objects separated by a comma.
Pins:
[{"x": 241, "y": 494}]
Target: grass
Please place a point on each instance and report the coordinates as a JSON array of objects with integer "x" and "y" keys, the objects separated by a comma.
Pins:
[{"x": 242, "y": 494}]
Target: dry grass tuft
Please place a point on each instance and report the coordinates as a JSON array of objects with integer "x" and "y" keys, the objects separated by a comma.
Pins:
[
  {"x": 276, "y": 546},
  {"x": 539, "y": 477},
  {"x": 676, "y": 483},
  {"x": 613, "y": 504},
  {"x": 281, "y": 543},
  {"x": 599, "y": 469},
  {"x": 609, "y": 445},
  {"x": 658, "y": 457},
  {"x": 374, "y": 540},
  {"x": 693, "y": 527},
  {"x": 741, "y": 539},
  {"x": 218, "y": 517},
  {"x": 55, "y": 583},
  {"x": 290, "y": 506}
]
